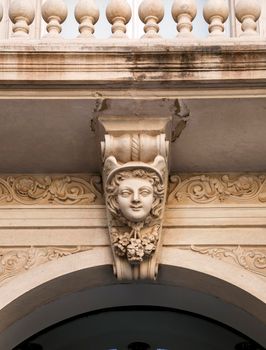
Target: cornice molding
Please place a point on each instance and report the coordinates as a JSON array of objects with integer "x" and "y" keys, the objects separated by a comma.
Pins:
[
  {"x": 217, "y": 189},
  {"x": 50, "y": 190},
  {"x": 15, "y": 260},
  {"x": 109, "y": 63},
  {"x": 250, "y": 258}
]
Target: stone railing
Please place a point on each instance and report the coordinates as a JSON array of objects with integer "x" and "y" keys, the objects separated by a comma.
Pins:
[{"x": 20, "y": 15}]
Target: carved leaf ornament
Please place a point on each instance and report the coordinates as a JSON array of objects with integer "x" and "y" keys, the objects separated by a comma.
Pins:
[
  {"x": 30, "y": 189},
  {"x": 250, "y": 258},
  {"x": 16, "y": 260},
  {"x": 204, "y": 189}
]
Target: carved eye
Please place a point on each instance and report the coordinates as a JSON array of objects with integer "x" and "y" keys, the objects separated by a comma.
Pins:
[
  {"x": 145, "y": 192},
  {"x": 125, "y": 193}
]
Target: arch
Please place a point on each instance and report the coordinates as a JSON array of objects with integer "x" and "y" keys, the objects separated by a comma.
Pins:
[{"x": 84, "y": 282}]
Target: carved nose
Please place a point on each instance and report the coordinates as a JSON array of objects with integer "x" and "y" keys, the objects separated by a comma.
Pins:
[{"x": 135, "y": 198}]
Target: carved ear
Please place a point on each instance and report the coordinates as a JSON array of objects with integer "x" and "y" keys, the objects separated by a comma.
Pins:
[
  {"x": 110, "y": 164},
  {"x": 159, "y": 164}
]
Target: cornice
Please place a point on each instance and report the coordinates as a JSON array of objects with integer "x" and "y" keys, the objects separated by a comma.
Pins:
[{"x": 135, "y": 64}]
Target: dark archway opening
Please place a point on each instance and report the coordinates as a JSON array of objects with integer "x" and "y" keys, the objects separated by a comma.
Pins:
[{"x": 139, "y": 328}]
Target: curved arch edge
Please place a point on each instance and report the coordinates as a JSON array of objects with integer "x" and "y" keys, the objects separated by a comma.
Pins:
[{"x": 189, "y": 282}]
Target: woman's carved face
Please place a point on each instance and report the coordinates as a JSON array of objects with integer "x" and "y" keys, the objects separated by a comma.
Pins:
[{"x": 135, "y": 198}]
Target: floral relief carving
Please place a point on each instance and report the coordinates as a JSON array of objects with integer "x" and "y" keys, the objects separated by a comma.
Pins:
[
  {"x": 16, "y": 260},
  {"x": 61, "y": 190},
  {"x": 136, "y": 246},
  {"x": 249, "y": 258},
  {"x": 216, "y": 188}
]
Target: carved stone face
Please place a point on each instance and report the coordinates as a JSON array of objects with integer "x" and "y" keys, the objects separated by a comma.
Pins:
[{"x": 135, "y": 198}]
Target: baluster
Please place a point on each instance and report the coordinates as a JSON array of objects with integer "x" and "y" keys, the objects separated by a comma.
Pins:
[
  {"x": 1, "y": 11},
  {"x": 184, "y": 12},
  {"x": 118, "y": 13},
  {"x": 215, "y": 13},
  {"x": 151, "y": 12},
  {"x": 21, "y": 13},
  {"x": 247, "y": 13},
  {"x": 54, "y": 12},
  {"x": 86, "y": 14}
]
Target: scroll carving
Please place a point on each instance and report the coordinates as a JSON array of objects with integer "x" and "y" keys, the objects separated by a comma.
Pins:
[
  {"x": 249, "y": 258},
  {"x": 16, "y": 260},
  {"x": 135, "y": 182},
  {"x": 56, "y": 190},
  {"x": 215, "y": 188}
]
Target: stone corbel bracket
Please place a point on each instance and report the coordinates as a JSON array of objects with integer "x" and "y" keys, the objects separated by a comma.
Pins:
[{"x": 135, "y": 174}]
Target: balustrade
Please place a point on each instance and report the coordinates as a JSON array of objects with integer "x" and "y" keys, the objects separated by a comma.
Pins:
[{"x": 219, "y": 16}]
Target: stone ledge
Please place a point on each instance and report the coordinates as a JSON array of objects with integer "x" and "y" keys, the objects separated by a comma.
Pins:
[{"x": 223, "y": 64}]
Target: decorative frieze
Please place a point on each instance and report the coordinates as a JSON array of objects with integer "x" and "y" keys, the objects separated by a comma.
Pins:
[
  {"x": 52, "y": 189},
  {"x": 217, "y": 189},
  {"x": 249, "y": 258},
  {"x": 85, "y": 189},
  {"x": 15, "y": 260}
]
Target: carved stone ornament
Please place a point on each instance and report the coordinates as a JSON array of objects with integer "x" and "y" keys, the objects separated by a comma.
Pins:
[
  {"x": 47, "y": 190},
  {"x": 135, "y": 194},
  {"x": 217, "y": 189},
  {"x": 250, "y": 258},
  {"x": 15, "y": 260}
]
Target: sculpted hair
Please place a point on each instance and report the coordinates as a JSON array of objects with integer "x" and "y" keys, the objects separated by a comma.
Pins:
[{"x": 158, "y": 192}]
